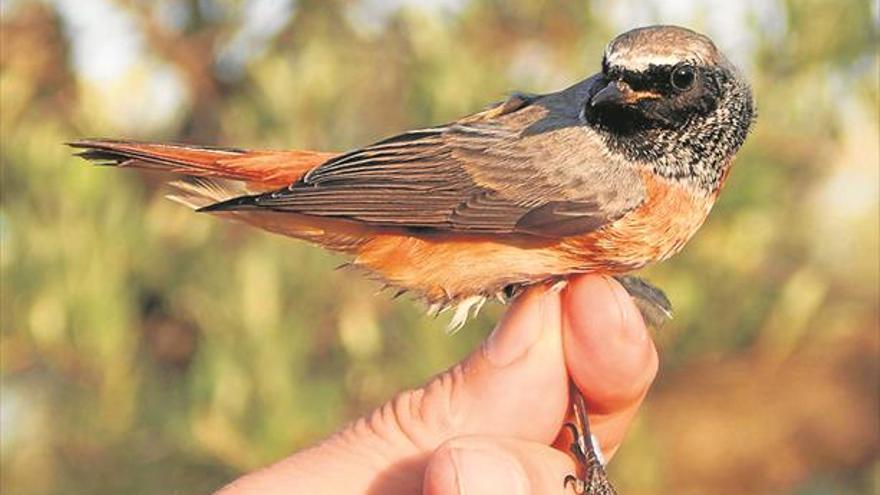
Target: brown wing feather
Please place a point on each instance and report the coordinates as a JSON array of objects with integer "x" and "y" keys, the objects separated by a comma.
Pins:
[{"x": 484, "y": 174}]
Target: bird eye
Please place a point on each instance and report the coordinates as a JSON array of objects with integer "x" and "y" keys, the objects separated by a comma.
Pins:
[{"x": 682, "y": 77}]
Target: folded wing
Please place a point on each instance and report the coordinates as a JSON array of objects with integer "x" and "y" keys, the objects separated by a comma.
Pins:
[{"x": 489, "y": 173}]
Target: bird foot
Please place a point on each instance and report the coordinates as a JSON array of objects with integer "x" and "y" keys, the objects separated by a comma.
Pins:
[
  {"x": 585, "y": 450},
  {"x": 595, "y": 480},
  {"x": 651, "y": 301}
]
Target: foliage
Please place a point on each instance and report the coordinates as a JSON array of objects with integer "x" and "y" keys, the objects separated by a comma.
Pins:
[{"x": 147, "y": 349}]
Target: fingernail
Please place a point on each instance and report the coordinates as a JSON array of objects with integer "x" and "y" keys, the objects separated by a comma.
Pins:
[
  {"x": 522, "y": 326},
  {"x": 481, "y": 471},
  {"x": 628, "y": 313}
]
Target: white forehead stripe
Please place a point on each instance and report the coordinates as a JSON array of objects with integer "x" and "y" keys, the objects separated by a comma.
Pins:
[{"x": 640, "y": 61}]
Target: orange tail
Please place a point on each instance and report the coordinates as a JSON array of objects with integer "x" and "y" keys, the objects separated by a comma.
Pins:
[
  {"x": 212, "y": 175},
  {"x": 254, "y": 171}
]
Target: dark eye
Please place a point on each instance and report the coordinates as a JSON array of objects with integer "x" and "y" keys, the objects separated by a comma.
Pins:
[{"x": 682, "y": 77}]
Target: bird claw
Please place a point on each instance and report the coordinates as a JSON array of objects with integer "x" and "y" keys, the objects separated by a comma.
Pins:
[
  {"x": 652, "y": 302},
  {"x": 577, "y": 484},
  {"x": 585, "y": 450},
  {"x": 595, "y": 481}
]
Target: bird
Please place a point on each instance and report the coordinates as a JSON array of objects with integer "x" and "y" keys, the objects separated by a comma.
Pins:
[{"x": 606, "y": 176}]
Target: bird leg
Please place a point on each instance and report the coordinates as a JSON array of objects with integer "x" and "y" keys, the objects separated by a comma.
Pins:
[
  {"x": 651, "y": 301},
  {"x": 595, "y": 480},
  {"x": 656, "y": 311}
]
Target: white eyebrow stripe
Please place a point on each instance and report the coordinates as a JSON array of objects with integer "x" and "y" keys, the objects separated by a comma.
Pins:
[{"x": 641, "y": 62}]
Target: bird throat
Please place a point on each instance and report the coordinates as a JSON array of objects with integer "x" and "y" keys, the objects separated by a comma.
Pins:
[{"x": 698, "y": 152}]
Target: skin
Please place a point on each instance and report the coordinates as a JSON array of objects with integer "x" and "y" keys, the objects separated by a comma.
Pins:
[{"x": 492, "y": 423}]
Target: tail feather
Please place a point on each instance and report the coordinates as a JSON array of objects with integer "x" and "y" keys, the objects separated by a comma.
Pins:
[
  {"x": 201, "y": 192},
  {"x": 217, "y": 175},
  {"x": 257, "y": 170}
]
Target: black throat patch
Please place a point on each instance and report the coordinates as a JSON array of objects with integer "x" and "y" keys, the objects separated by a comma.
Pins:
[{"x": 686, "y": 136}]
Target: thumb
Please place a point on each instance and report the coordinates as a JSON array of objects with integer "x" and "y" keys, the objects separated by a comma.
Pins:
[{"x": 475, "y": 465}]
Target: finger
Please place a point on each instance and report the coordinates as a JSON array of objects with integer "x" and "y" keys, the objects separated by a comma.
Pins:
[
  {"x": 515, "y": 383},
  {"x": 478, "y": 464},
  {"x": 609, "y": 353}
]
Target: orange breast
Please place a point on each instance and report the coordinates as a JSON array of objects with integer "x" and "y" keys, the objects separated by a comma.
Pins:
[{"x": 671, "y": 214}]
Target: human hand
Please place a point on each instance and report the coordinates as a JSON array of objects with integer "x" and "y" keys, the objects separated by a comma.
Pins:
[{"x": 488, "y": 424}]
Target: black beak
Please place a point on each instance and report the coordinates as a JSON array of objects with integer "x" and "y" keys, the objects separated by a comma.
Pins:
[{"x": 614, "y": 94}]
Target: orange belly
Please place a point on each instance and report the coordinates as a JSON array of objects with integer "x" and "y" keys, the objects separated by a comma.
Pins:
[{"x": 448, "y": 269}]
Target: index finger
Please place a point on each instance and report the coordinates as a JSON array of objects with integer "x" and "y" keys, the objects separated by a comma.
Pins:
[{"x": 609, "y": 353}]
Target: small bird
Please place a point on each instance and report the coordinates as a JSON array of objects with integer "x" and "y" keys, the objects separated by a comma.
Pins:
[{"x": 605, "y": 176}]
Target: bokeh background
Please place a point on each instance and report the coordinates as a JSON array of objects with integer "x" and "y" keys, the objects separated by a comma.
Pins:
[{"x": 150, "y": 350}]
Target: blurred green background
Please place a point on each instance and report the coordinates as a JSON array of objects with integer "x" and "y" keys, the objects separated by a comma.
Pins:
[{"x": 150, "y": 350}]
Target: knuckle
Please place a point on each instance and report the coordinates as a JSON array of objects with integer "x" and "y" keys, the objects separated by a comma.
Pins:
[{"x": 423, "y": 417}]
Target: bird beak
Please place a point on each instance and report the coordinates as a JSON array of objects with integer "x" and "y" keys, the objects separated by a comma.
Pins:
[{"x": 618, "y": 93}]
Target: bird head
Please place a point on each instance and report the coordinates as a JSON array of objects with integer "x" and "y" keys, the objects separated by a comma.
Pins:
[{"x": 666, "y": 95}]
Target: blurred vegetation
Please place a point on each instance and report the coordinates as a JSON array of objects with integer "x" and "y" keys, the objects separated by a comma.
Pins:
[{"x": 147, "y": 349}]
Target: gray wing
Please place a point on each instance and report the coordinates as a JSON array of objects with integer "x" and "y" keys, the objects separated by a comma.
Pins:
[{"x": 526, "y": 166}]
